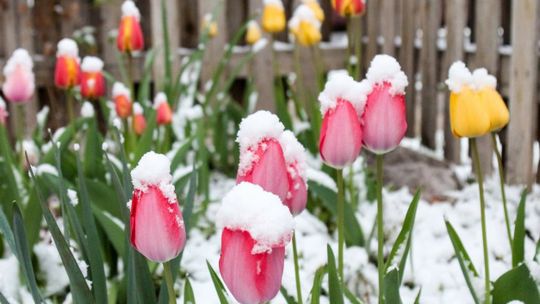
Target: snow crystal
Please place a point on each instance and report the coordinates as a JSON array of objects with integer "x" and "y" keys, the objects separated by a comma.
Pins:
[
  {"x": 67, "y": 47},
  {"x": 262, "y": 215},
  {"x": 91, "y": 64},
  {"x": 19, "y": 58},
  {"x": 159, "y": 99},
  {"x": 120, "y": 89},
  {"x": 154, "y": 169},
  {"x": 385, "y": 68},
  {"x": 257, "y": 127},
  {"x": 273, "y": 2},
  {"x": 130, "y": 9},
  {"x": 87, "y": 109},
  {"x": 458, "y": 77},
  {"x": 294, "y": 152},
  {"x": 321, "y": 178},
  {"x": 345, "y": 87},
  {"x": 482, "y": 79},
  {"x": 73, "y": 198}
]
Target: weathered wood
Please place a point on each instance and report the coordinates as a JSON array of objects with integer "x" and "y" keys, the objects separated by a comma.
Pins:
[
  {"x": 430, "y": 26},
  {"x": 387, "y": 26},
  {"x": 215, "y": 47},
  {"x": 373, "y": 19},
  {"x": 110, "y": 15},
  {"x": 406, "y": 58},
  {"x": 456, "y": 20},
  {"x": 523, "y": 106}
]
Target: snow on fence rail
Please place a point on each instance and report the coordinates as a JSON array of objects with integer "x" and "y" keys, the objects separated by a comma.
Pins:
[{"x": 425, "y": 35}]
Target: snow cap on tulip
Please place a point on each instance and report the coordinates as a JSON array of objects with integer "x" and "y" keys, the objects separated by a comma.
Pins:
[
  {"x": 154, "y": 169},
  {"x": 459, "y": 76},
  {"x": 130, "y": 9},
  {"x": 92, "y": 64},
  {"x": 253, "y": 32},
  {"x": 19, "y": 82},
  {"x": 343, "y": 86},
  {"x": 273, "y": 16},
  {"x": 315, "y": 6},
  {"x": 294, "y": 152},
  {"x": 304, "y": 26},
  {"x": 119, "y": 89},
  {"x": 67, "y": 47},
  {"x": 385, "y": 68},
  {"x": 481, "y": 79},
  {"x": 295, "y": 158},
  {"x": 247, "y": 207}
]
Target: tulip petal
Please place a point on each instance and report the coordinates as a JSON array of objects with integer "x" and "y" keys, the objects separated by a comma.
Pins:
[{"x": 468, "y": 117}]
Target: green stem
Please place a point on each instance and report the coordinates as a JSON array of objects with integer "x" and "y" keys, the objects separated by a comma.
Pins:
[
  {"x": 478, "y": 170},
  {"x": 341, "y": 221},
  {"x": 297, "y": 271},
  {"x": 380, "y": 225},
  {"x": 352, "y": 190},
  {"x": 170, "y": 283},
  {"x": 319, "y": 66},
  {"x": 69, "y": 101},
  {"x": 503, "y": 192},
  {"x": 358, "y": 50},
  {"x": 349, "y": 45},
  {"x": 19, "y": 132},
  {"x": 131, "y": 84}
]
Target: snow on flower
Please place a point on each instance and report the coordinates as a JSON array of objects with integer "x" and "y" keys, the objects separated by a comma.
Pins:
[
  {"x": 343, "y": 86},
  {"x": 384, "y": 68}
]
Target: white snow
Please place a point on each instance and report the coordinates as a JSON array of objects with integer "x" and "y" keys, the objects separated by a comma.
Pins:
[
  {"x": 87, "y": 109},
  {"x": 259, "y": 45},
  {"x": 119, "y": 89},
  {"x": 482, "y": 79},
  {"x": 73, "y": 198},
  {"x": 130, "y": 9},
  {"x": 67, "y": 47},
  {"x": 306, "y": 14},
  {"x": 154, "y": 169},
  {"x": 247, "y": 207},
  {"x": 257, "y": 127},
  {"x": 91, "y": 64},
  {"x": 273, "y": 2},
  {"x": 458, "y": 77},
  {"x": 343, "y": 86},
  {"x": 159, "y": 99},
  {"x": 137, "y": 109},
  {"x": 385, "y": 68},
  {"x": 294, "y": 152},
  {"x": 20, "y": 58}
]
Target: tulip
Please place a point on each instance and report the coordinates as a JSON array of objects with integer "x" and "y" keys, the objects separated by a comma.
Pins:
[
  {"x": 304, "y": 26},
  {"x": 262, "y": 161},
  {"x": 497, "y": 111},
  {"x": 157, "y": 228},
  {"x": 210, "y": 26},
  {"x": 92, "y": 79},
  {"x": 315, "y": 8},
  {"x": 67, "y": 70},
  {"x": 295, "y": 159},
  {"x": 342, "y": 103},
  {"x": 3, "y": 112},
  {"x": 253, "y": 33},
  {"x": 256, "y": 229},
  {"x": 163, "y": 109},
  {"x": 122, "y": 100},
  {"x": 139, "y": 122},
  {"x": 19, "y": 82},
  {"x": 130, "y": 37},
  {"x": 384, "y": 119},
  {"x": 349, "y": 7},
  {"x": 273, "y": 16}
]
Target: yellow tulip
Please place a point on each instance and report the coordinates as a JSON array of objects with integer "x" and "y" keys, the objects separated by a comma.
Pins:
[
  {"x": 306, "y": 33},
  {"x": 496, "y": 108},
  {"x": 316, "y": 8},
  {"x": 468, "y": 114},
  {"x": 253, "y": 33},
  {"x": 273, "y": 18},
  {"x": 210, "y": 26}
]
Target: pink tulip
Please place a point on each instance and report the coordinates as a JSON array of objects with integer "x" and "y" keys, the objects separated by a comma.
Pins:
[
  {"x": 157, "y": 227},
  {"x": 256, "y": 229},
  {"x": 384, "y": 120},
  {"x": 342, "y": 103},
  {"x": 19, "y": 82},
  {"x": 261, "y": 156},
  {"x": 295, "y": 158}
]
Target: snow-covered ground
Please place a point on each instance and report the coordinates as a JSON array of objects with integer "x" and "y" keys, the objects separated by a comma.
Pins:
[{"x": 432, "y": 265}]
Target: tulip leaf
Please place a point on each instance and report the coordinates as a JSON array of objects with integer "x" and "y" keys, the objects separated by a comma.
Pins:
[
  {"x": 465, "y": 262},
  {"x": 317, "y": 281},
  {"x": 189, "y": 296},
  {"x": 144, "y": 87},
  {"x": 391, "y": 287},
  {"x": 93, "y": 159},
  {"x": 350, "y": 296},
  {"x": 102, "y": 196},
  {"x": 402, "y": 244},
  {"x": 417, "y": 299},
  {"x": 24, "y": 254},
  {"x": 218, "y": 285},
  {"x": 12, "y": 189},
  {"x": 3, "y": 299},
  {"x": 288, "y": 298},
  {"x": 181, "y": 153},
  {"x": 334, "y": 282},
  {"x": 516, "y": 285},
  {"x": 5, "y": 230},
  {"x": 518, "y": 241},
  {"x": 115, "y": 231}
]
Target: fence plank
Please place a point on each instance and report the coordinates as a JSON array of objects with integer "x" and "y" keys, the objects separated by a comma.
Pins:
[
  {"x": 388, "y": 16},
  {"x": 523, "y": 107},
  {"x": 430, "y": 26},
  {"x": 214, "y": 49},
  {"x": 406, "y": 58},
  {"x": 372, "y": 30}
]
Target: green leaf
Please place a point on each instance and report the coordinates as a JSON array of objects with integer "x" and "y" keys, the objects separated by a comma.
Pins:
[
  {"x": 218, "y": 285},
  {"x": 350, "y": 296},
  {"x": 93, "y": 154},
  {"x": 316, "y": 288},
  {"x": 402, "y": 244},
  {"x": 103, "y": 197},
  {"x": 465, "y": 262},
  {"x": 391, "y": 287},
  {"x": 12, "y": 193},
  {"x": 24, "y": 254},
  {"x": 181, "y": 153},
  {"x": 5, "y": 229},
  {"x": 334, "y": 283},
  {"x": 518, "y": 241},
  {"x": 3, "y": 299},
  {"x": 189, "y": 296},
  {"x": 144, "y": 85},
  {"x": 516, "y": 285},
  {"x": 114, "y": 231},
  {"x": 190, "y": 198},
  {"x": 417, "y": 299},
  {"x": 288, "y": 298},
  {"x": 146, "y": 141}
]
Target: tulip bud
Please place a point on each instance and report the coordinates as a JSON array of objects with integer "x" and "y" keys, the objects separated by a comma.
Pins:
[
  {"x": 253, "y": 33},
  {"x": 122, "y": 100},
  {"x": 295, "y": 157},
  {"x": 67, "y": 70},
  {"x": 315, "y": 8},
  {"x": 349, "y": 7},
  {"x": 19, "y": 81},
  {"x": 157, "y": 227},
  {"x": 163, "y": 109},
  {"x": 3, "y": 112},
  {"x": 139, "y": 122},
  {"x": 273, "y": 16},
  {"x": 130, "y": 37},
  {"x": 342, "y": 104},
  {"x": 261, "y": 156},
  {"x": 209, "y": 25},
  {"x": 256, "y": 229},
  {"x": 305, "y": 27},
  {"x": 486, "y": 85},
  {"x": 92, "y": 80}
]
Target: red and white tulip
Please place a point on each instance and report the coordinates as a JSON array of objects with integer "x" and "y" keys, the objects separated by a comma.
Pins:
[
  {"x": 122, "y": 100},
  {"x": 139, "y": 121},
  {"x": 19, "y": 83},
  {"x": 130, "y": 37},
  {"x": 163, "y": 109},
  {"x": 92, "y": 79},
  {"x": 67, "y": 70}
]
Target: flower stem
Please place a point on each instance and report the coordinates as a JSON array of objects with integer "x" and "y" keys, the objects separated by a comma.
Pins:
[
  {"x": 341, "y": 221},
  {"x": 380, "y": 225},
  {"x": 170, "y": 283},
  {"x": 349, "y": 45},
  {"x": 358, "y": 50},
  {"x": 129, "y": 59},
  {"x": 297, "y": 271},
  {"x": 69, "y": 101},
  {"x": 503, "y": 191},
  {"x": 478, "y": 170},
  {"x": 19, "y": 132}
]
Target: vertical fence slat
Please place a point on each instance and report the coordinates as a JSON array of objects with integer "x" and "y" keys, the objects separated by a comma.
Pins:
[
  {"x": 214, "y": 49},
  {"x": 521, "y": 130},
  {"x": 372, "y": 29},
  {"x": 406, "y": 58},
  {"x": 456, "y": 20},
  {"x": 110, "y": 12},
  {"x": 387, "y": 26},
  {"x": 430, "y": 26}
]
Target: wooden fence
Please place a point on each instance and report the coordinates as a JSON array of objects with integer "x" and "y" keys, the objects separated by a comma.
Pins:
[{"x": 425, "y": 35}]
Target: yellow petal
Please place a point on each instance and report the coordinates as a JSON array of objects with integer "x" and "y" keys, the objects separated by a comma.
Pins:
[
  {"x": 496, "y": 109},
  {"x": 273, "y": 18},
  {"x": 306, "y": 33},
  {"x": 468, "y": 117},
  {"x": 253, "y": 33}
]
